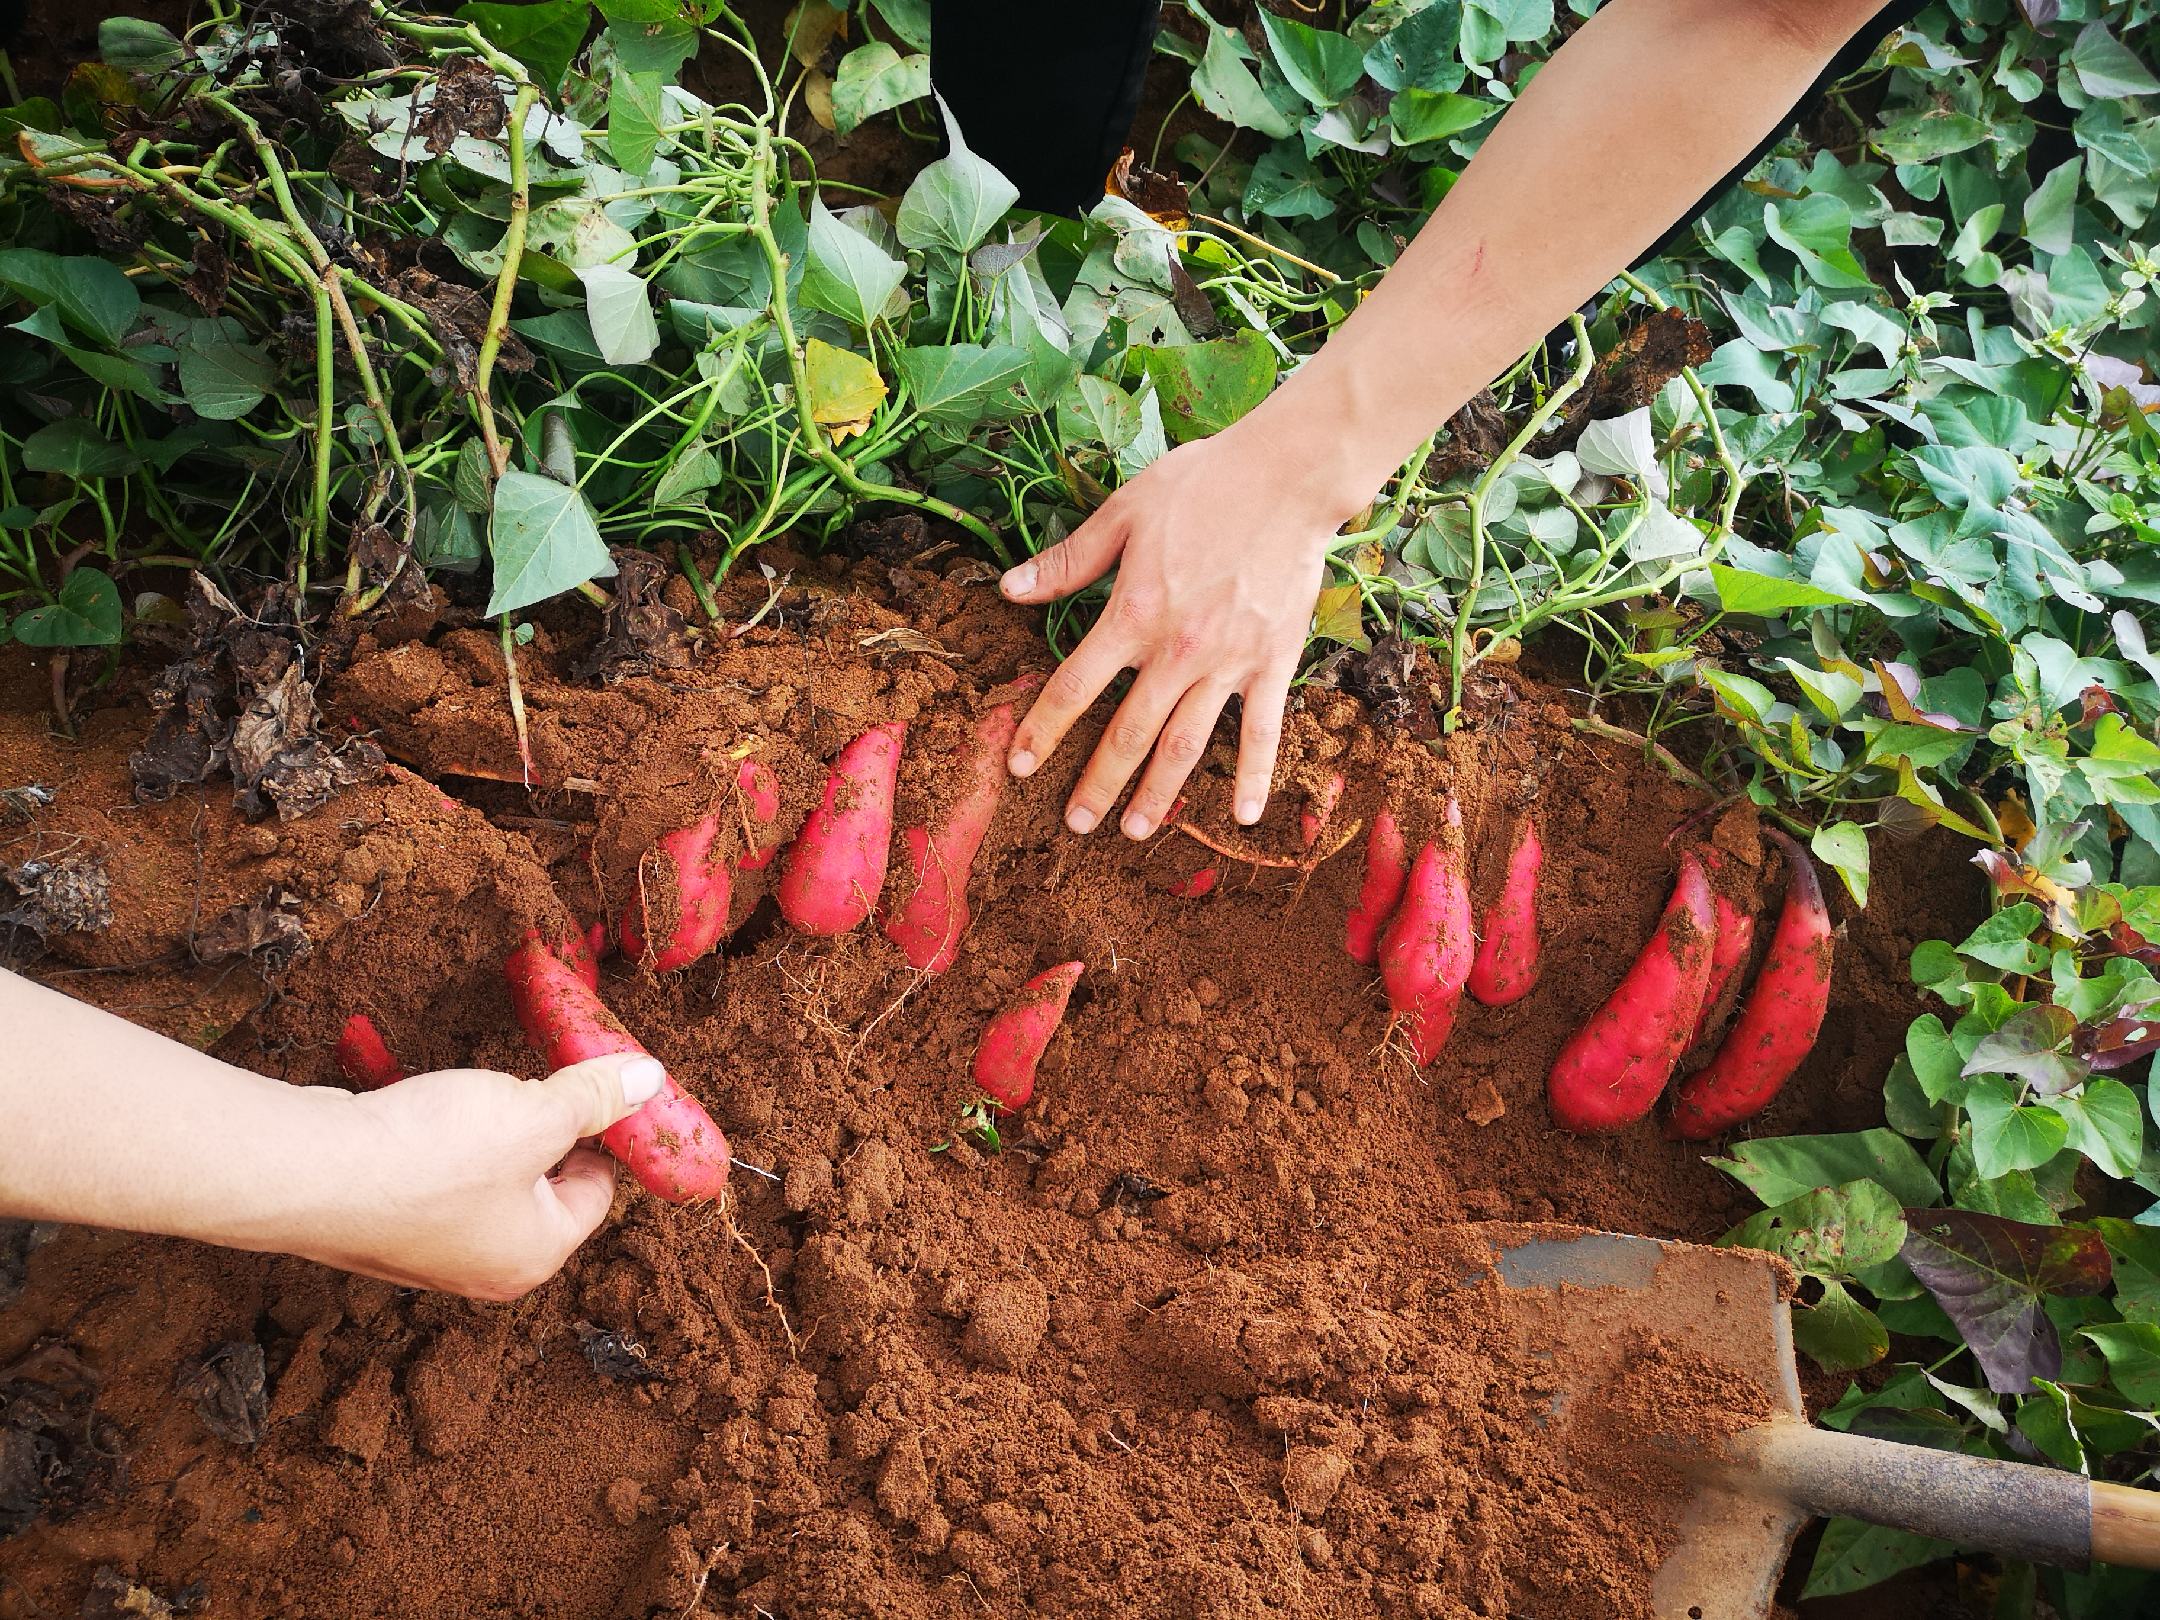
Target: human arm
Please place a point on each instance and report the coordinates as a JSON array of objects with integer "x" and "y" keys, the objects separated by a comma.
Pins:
[
  {"x": 441, "y": 1181},
  {"x": 1219, "y": 545}
]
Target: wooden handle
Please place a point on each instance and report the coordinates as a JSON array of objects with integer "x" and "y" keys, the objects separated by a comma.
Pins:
[
  {"x": 2048, "y": 1515},
  {"x": 2126, "y": 1526}
]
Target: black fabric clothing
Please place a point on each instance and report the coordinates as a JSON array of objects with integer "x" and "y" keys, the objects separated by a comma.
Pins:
[{"x": 1046, "y": 89}]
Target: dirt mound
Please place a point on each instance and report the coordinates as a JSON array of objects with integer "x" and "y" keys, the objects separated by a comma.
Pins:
[{"x": 1197, "y": 1343}]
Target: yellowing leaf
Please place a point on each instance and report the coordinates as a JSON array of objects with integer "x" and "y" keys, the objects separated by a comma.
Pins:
[
  {"x": 845, "y": 389},
  {"x": 2017, "y": 826},
  {"x": 1339, "y": 616},
  {"x": 817, "y": 96},
  {"x": 811, "y": 27}
]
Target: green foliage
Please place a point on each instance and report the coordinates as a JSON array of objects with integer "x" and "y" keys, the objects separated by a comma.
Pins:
[
  {"x": 1888, "y": 561},
  {"x": 2022, "y": 1103}
]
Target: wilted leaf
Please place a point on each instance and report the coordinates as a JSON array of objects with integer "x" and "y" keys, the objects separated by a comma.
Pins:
[
  {"x": 616, "y": 1358},
  {"x": 810, "y": 28},
  {"x": 639, "y": 632},
  {"x": 1990, "y": 1276},
  {"x": 268, "y": 930},
  {"x": 2034, "y": 1046},
  {"x": 845, "y": 389},
  {"x": 65, "y": 894},
  {"x": 1162, "y": 197},
  {"x": 226, "y": 1385},
  {"x": 1339, "y": 616}
]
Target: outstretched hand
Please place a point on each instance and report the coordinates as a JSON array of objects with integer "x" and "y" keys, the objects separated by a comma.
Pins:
[
  {"x": 1218, "y": 548},
  {"x": 474, "y": 1182}
]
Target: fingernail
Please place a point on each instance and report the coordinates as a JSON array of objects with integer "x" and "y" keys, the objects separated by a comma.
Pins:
[
  {"x": 1021, "y": 762},
  {"x": 1018, "y": 581},
  {"x": 1137, "y": 825},
  {"x": 1079, "y": 820},
  {"x": 1248, "y": 811},
  {"x": 642, "y": 1078}
]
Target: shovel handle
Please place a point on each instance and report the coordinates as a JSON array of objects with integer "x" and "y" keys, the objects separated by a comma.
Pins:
[{"x": 2048, "y": 1515}]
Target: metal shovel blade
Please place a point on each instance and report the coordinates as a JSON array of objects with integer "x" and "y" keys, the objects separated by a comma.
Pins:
[{"x": 1727, "y": 1306}]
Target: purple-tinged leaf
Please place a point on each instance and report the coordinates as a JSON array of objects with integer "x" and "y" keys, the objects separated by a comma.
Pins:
[
  {"x": 1990, "y": 1275},
  {"x": 2013, "y": 882},
  {"x": 2034, "y": 1045},
  {"x": 2111, "y": 373},
  {"x": 2130, "y": 1035},
  {"x": 1900, "y": 699},
  {"x": 2040, "y": 13}
]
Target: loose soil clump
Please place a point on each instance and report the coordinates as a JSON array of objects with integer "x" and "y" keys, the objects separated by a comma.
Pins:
[{"x": 1206, "y": 1339}]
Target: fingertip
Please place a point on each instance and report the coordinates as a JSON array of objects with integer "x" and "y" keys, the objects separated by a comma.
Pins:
[
  {"x": 1022, "y": 762},
  {"x": 1251, "y": 807},
  {"x": 584, "y": 1186},
  {"x": 592, "y": 1095},
  {"x": 1018, "y": 583}
]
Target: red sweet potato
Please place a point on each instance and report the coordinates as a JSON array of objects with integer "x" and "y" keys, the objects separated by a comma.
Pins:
[
  {"x": 689, "y": 878},
  {"x": 1425, "y": 954},
  {"x": 671, "y": 1144},
  {"x": 1012, "y": 1043},
  {"x": 363, "y": 1056},
  {"x": 1735, "y": 934},
  {"x": 1387, "y": 866},
  {"x": 1612, "y": 1069},
  {"x": 1508, "y": 954},
  {"x": 1198, "y": 886},
  {"x": 929, "y": 921},
  {"x": 692, "y": 881},
  {"x": 831, "y": 874},
  {"x": 1778, "y": 1022}
]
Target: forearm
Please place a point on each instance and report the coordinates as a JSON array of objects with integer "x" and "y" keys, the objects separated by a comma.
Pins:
[
  {"x": 1544, "y": 216},
  {"x": 110, "y": 1125}
]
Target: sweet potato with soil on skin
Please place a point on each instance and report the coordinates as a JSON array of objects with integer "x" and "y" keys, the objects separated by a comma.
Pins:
[
  {"x": 1778, "y": 1022},
  {"x": 1197, "y": 887},
  {"x": 1387, "y": 867},
  {"x": 363, "y": 1056},
  {"x": 1319, "y": 811},
  {"x": 927, "y": 925},
  {"x": 1612, "y": 1069},
  {"x": 693, "y": 879},
  {"x": 692, "y": 885},
  {"x": 1426, "y": 953},
  {"x": 831, "y": 874},
  {"x": 1735, "y": 934},
  {"x": 1508, "y": 955},
  {"x": 760, "y": 794},
  {"x": 1013, "y": 1042},
  {"x": 671, "y": 1144}
]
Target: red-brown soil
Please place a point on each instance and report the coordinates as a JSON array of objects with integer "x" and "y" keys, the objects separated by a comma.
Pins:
[{"x": 1199, "y": 1342}]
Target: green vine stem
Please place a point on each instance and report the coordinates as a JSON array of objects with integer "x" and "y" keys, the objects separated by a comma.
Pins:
[
  {"x": 814, "y": 439},
  {"x": 513, "y": 251},
  {"x": 1459, "y": 660}
]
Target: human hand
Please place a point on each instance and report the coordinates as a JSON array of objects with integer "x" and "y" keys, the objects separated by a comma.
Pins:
[
  {"x": 472, "y": 1182},
  {"x": 1218, "y": 548}
]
